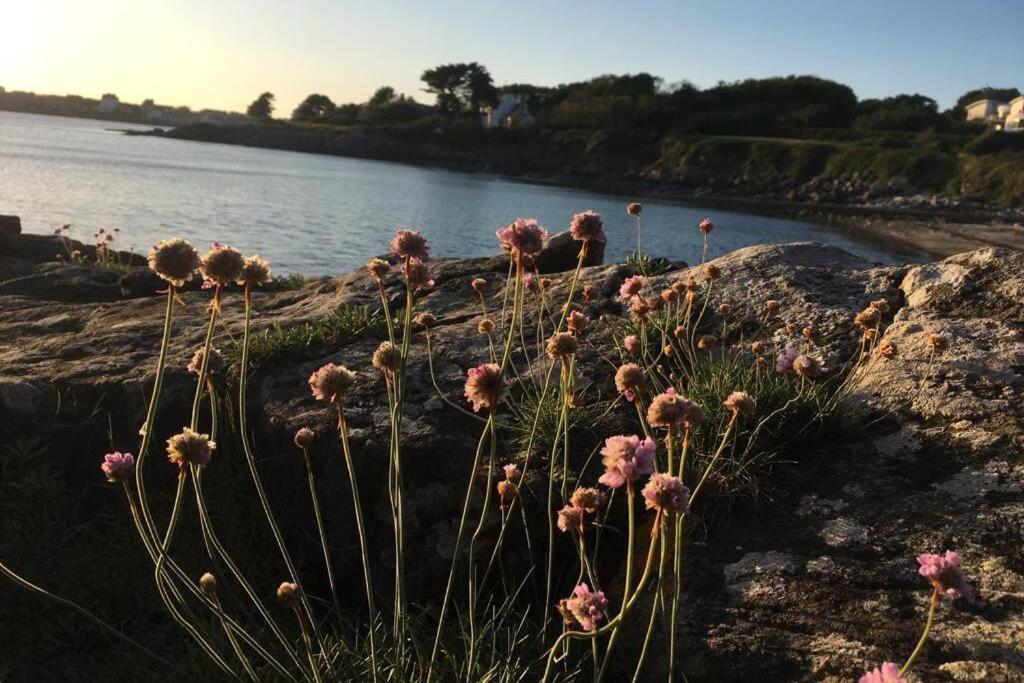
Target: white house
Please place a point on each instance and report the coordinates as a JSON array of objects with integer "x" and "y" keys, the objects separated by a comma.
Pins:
[
  {"x": 1015, "y": 115},
  {"x": 510, "y": 112},
  {"x": 108, "y": 103}
]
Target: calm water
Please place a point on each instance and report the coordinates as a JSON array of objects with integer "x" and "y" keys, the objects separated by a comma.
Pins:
[{"x": 316, "y": 214}]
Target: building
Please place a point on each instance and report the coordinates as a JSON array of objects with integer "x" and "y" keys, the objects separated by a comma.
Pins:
[
  {"x": 510, "y": 112},
  {"x": 108, "y": 104},
  {"x": 1015, "y": 115},
  {"x": 996, "y": 114}
]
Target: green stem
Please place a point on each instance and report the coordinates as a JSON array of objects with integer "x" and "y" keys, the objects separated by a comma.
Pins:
[
  {"x": 323, "y": 534},
  {"x": 924, "y": 636},
  {"x": 472, "y": 546}
]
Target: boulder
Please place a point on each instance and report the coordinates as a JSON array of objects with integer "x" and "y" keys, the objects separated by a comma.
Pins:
[
  {"x": 10, "y": 231},
  {"x": 563, "y": 252}
]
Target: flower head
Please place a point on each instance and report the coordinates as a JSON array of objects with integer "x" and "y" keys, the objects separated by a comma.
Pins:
[
  {"x": 589, "y": 292},
  {"x": 707, "y": 342},
  {"x": 589, "y": 499},
  {"x": 214, "y": 365},
  {"x": 512, "y": 472},
  {"x": 629, "y": 379},
  {"x": 666, "y": 493},
  {"x": 561, "y": 345},
  {"x": 570, "y": 518},
  {"x": 706, "y": 226},
  {"x": 387, "y": 357},
  {"x": 118, "y": 466},
  {"x": 305, "y": 437},
  {"x": 174, "y": 260},
  {"x": 222, "y": 265},
  {"x": 639, "y": 307},
  {"x": 587, "y": 226},
  {"x": 190, "y": 448},
  {"x": 626, "y": 458},
  {"x": 740, "y": 403},
  {"x": 485, "y": 387},
  {"x": 633, "y": 209},
  {"x": 485, "y": 326},
  {"x": 331, "y": 382},
  {"x": 255, "y": 272},
  {"x": 426, "y": 320},
  {"x": 784, "y": 362},
  {"x": 577, "y": 322},
  {"x": 531, "y": 283},
  {"x": 478, "y": 284},
  {"x": 889, "y": 672},
  {"x": 632, "y": 343},
  {"x": 410, "y": 244},
  {"x": 208, "y": 585},
  {"x": 670, "y": 409},
  {"x": 378, "y": 267},
  {"x": 772, "y": 305},
  {"x": 524, "y": 236},
  {"x": 712, "y": 272},
  {"x": 417, "y": 273},
  {"x": 631, "y": 287},
  {"x": 869, "y": 317},
  {"x": 943, "y": 571},
  {"x": 806, "y": 366},
  {"x": 288, "y": 594},
  {"x": 887, "y": 348},
  {"x": 508, "y": 491},
  {"x": 586, "y": 606},
  {"x": 881, "y": 305},
  {"x": 937, "y": 342}
]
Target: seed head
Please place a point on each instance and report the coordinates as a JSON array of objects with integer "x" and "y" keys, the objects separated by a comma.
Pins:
[
  {"x": 331, "y": 382},
  {"x": 425, "y": 320},
  {"x": 174, "y": 260},
  {"x": 410, "y": 244},
  {"x": 666, "y": 493},
  {"x": 562, "y": 345},
  {"x": 633, "y": 209},
  {"x": 222, "y": 265},
  {"x": 118, "y": 467},
  {"x": 669, "y": 295},
  {"x": 590, "y": 500},
  {"x": 214, "y": 366},
  {"x": 208, "y": 585},
  {"x": 888, "y": 349},
  {"x": 806, "y": 366},
  {"x": 712, "y": 272},
  {"x": 485, "y": 326},
  {"x": 255, "y": 272},
  {"x": 305, "y": 437},
  {"x": 626, "y": 458},
  {"x": 288, "y": 594},
  {"x": 707, "y": 342},
  {"x": 880, "y": 305},
  {"x": 867, "y": 318},
  {"x": 190, "y": 448},
  {"x": 724, "y": 310},
  {"x": 740, "y": 403},
  {"x": 757, "y": 348},
  {"x": 587, "y": 226},
  {"x": 379, "y": 268},
  {"x": 485, "y": 387}
]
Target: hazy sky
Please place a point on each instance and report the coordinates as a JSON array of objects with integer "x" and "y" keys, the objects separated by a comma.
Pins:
[{"x": 222, "y": 53}]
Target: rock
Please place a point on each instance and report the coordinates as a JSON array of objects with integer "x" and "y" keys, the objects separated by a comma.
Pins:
[
  {"x": 10, "y": 231},
  {"x": 563, "y": 252}
]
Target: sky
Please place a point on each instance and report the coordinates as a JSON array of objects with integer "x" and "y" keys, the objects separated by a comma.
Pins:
[{"x": 222, "y": 54}]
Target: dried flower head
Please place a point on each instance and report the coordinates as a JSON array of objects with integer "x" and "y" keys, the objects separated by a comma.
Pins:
[
  {"x": 889, "y": 672},
  {"x": 478, "y": 284},
  {"x": 512, "y": 472},
  {"x": 331, "y": 382},
  {"x": 784, "y": 362},
  {"x": 937, "y": 342},
  {"x": 587, "y": 226},
  {"x": 255, "y": 272},
  {"x": 706, "y": 226},
  {"x": 810, "y": 333},
  {"x": 118, "y": 467},
  {"x": 943, "y": 571},
  {"x": 666, "y": 493},
  {"x": 712, "y": 272},
  {"x": 630, "y": 380},
  {"x": 806, "y": 366},
  {"x": 639, "y": 307},
  {"x": 631, "y": 286},
  {"x": 545, "y": 283},
  {"x": 633, "y": 209},
  {"x": 190, "y": 448},
  {"x": 707, "y": 342},
  {"x": 666, "y": 410},
  {"x": 740, "y": 403},
  {"x": 570, "y": 518},
  {"x": 523, "y": 236},
  {"x": 531, "y": 282},
  {"x": 507, "y": 492},
  {"x": 174, "y": 260},
  {"x": 425, "y": 320},
  {"x": 870, "y": 334},
  {"x": 757, "y": 348},
  {"x": 417, "y": 273},
  {"x": 632, "y": 343},
  {"x": 379, "y": 268},
  {"x": 485, "y": 326},
  {"x": 562, "y": 345},
  {"x": 222, "y": 265},
  {"x": 214, "y": 366},
  {"x": 772, "y": 305},
  {"x": 586, "y": 606},
  {"x": 288, "y": 594},
  {"x": 387, "y": 357},
  {"x": 305, "y": 437},
  {"x": 669, "y": 295},
  {"x": 589, "y": 499},
  {"x": 485, "y": 387},
  {"x": 761, "y": 362},
  {"x": 880, "y": 305},
  {"x": 410, "y": 244},
  {"x": 626, "y": 458},
  {"x": 869, "y": 317},
  {"x": 724, "y": 310},
  {"x": 208, "y": 585},
  {"x": 589, "y": 293},
  {"x": 577, "y": 322},
  {"x": 888, "y": 349},
  {"x": 668, "y": 350}
]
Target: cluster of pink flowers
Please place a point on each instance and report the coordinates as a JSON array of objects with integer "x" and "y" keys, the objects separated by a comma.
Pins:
[
  {"x": 331, "y": 382},
  {"x": 523, "y": 236},
  {"x": 410, "y": 244},
  {"x": 118, "y": 466},
  {"x": 626, "y": 458},
  {"x": 784, "y": 362},
  {"x": 889, "y": 672},
  {"x": 631, "y": 287},
  {"x": 587, "y": 226},
  {"x": 666, "y": 493},
  {"x": 485, "y": 387},
  {"x": 943, "y": 571},
  {"x": 585, "y": 606}
]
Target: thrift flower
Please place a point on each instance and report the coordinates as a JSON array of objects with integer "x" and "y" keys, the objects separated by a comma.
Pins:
[
  {"x": 626, "y": 458},
  {"x": 305, "y": 437},
  {"x": 425, "y": 320},
  {"x": 633, "y": 209},
  {"x": 631, "y": 287},
  {"x": 485, "y": 326},
  {"x": 118, "y": 466},
  {"x": 589, "y": 500},
  {"x": 784, "y": 363},
  {"x": 706, "y": 226},
  {"x": 740, "y": 403},
  {"x": 629, "y": 379},
  {"x": 668, "y": 409},
  {"x": 255, "y": 272},
  {"x": 222, "y": 265},
  {"x": 712, "y": 272},
  {"x": 562, "y": 345},
  {"x": 417, "y": 273},
  {"x": 387, "y": 357},
  {"x": 410, "y": 244},
  {"x": 938, "y": 342},
  {"x": 512, "y": 472},
  {"x": 888, "y": 349},
  {"x": 288, "y": 594},
  {"x": 190, "y": 448},
  {"x": 587, "y": 607},
  {"x": 589, "y": 292},
  {"x": 578, "y": 322},
  {"x": 772, "y": 305},
  {"x": 570, "y": 518},
  {"x": 707, "y": 342},
  {"x": 331, "y": 382},
  {"x": 208, "y": 585},
  {"x": 666, "y": 493},
  {"x": 943, "y": 571},
  {"x": 214, "y": 366},
  {"x": 485, "y": 387},
  {"x": 379, "y": 268},
  {"x": 806, "y": 366},
  {"x": 478, "y": 284},
  {"x": 587, "y": 226},
  {"x": 632, "y": 343},
  {"x": 523, "y": 236},
  {"x": 174, "y": 260},
  {"x": 887, "y": 673},
  {"x": 507, "y": 492}
]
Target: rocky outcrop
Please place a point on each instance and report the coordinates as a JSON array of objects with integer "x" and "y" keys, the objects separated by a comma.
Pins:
[{"x": 812, "y": 586}]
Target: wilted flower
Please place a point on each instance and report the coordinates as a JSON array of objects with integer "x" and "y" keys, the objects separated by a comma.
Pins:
[
  {"x": 669, "y": 295},
  {"x": 208, "y": 585},
  {"x": 757, "y": 348},
  {"x": 668, "y": 350},
  {"x": 378, "y": 267},
  {"x": 425, "y": 320},
  {"x": 545, "y": 283},
  {"x": 485, "y": 386},
  {"x": 937, "y": 342},
  {"x": 222, "y": 265},
  {"x": 587, "y": 226},
  {"x": 570, "y": 518},
  {"x": 387, "y": 357},
  {"x": 562, "y": 345},
  {"x": 631, "y": 286},
  {"x": 784, "y": 362},
  {"x": 943, "y": 571},
  {"x": 478, "y": 284},
  {"x": 485, "y": 326},
  {"x": 586, "y": 607},
  {"x": 255, "y": 272},
  {"x": 118, "y": 466},
  {"x": 288, "y": 594},
  {"x": 869, "y": 317},
  {"x": 626, "y": 458},
  {"x": 881, "y": 305},
  {"x": 629, "y": 379},
  {"x": 632, "y": 343},
  {"x": 740, "y": 403},
  {"x": 512, "y": 472},
  {"x": 667, "y": 409},
  {"x": 806, "y": 366},
  {"x": 410, "y": 244},
  {"x": 174, "y": 260},
  {"x": 417, "y": 273},
  {"x": 214, "y": 366},
  {"x": 707, "y": 342},
  {"x": 305, "y": 437},
  {"x": 810, "y": 333},
  {"x": 523, "y": 236},
  {"x": 712, "y": 272},
  {"x": 507, "y": 492},
  {"x": 706, "y": 226},
  {"x": 887, "y": 348},
  {"x": 666, "y": 493},
  {"x": 889, "y": 672},
  {"x": 331, "y": 382},
  {"x": 589, "y": 499},
  {"x": 589, "y": 292},
  {"x": 578, "y": 322},
  {"x": 633, "y": 209},
  {"x": 772, "y": 305},
  {"x": 531, "y": 283},
  {"x": 190, "y": 448}
]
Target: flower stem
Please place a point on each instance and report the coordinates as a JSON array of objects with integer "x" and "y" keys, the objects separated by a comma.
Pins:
[
  {"x": 924, "y": 636},
  {"x": 323, "y": 534}
]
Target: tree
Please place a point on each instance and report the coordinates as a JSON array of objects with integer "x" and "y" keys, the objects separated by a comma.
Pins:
[
  {"x": 463, "y": 88},
  {"x": 262, "y": 107},
  {"x": 314, "y": 108},
  {"x": 384, "y": 95}
]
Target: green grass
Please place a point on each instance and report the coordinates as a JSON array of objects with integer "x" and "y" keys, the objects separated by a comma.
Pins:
[
  {"x": 647, "y": 265},
  {"x": 289, "y": 282}
]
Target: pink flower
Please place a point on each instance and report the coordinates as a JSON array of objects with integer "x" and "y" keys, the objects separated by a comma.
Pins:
[
  {"x": 485, "y": 386},
  {"x": 587, "y": 606},
  {"x": 416, "y": 272},
  {"x": 589, "y": 292},
  {"x": 118, "y": 466},
  {"x": 410, "y": 244},
  {"x": 784, "y": 363},
  {"x": 331, "y": 382},
  {"x": 626, "y": 458},
  {"x": 587, "y": 226},
  {"x": 523, "y": 236},
  {"x": 570, "y": 518},
  {"x": 706, "y": 226},
  {"x": 943, "y": 571},
  {"x": 666, "y": 493},
  {"x": 887, "y": 673},
  {"x": 631, "y": 287},
  {"x": 632, "y": 343},
  {"x": 512, "y": 472},
  {"x": 530, "y": 282}
]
